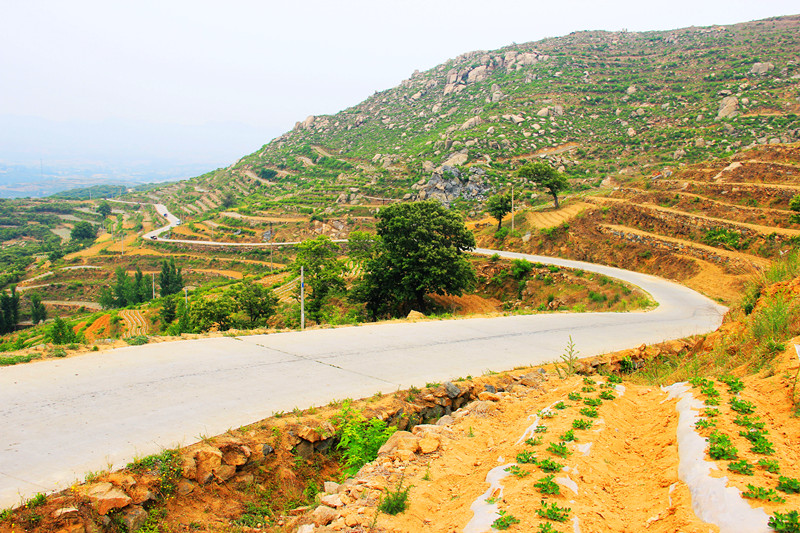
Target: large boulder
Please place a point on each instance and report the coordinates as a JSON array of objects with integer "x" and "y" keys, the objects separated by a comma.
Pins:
[
  {"x": 760, "y": 69},
  {"x": 728, "y": 108}
]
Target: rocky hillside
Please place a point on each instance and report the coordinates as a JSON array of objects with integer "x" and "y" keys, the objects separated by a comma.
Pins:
[{"x": 598, "y": 104}]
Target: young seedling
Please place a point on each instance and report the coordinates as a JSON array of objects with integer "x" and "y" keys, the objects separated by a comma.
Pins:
[
  {"x": 720, "y": 447},
  {"x": 760, "y": 493},
  {"x": 546, "y": 527},
  {"x": 546, "y": 485},
  {"x": 770, "y": 465},
  {"x": 574, "y": 396},
  {"x": 589, "y": 381},
  {"x": 762, "y": 446},
  {"x": 582, "y": 423},
  {"x": 533, "y": 441},
  {"x": 748, "y": 422},
  {"x": 788, "y": 522},
  {"x": 395, "y": 501},
  {"x": 588, "y": 388},
  {"x": 591, "y": 412},
  {"x": 560, "y": 405},
  {"x": 788, "y": 485},
  {"x": 516, "y": 471},
  {"x": 613, "y": 378},
  {"x": 735, "y": 385},
  {"x": 709, "y": 390},
  {"x": 704, "y": 423},
  {"x": 568, "y": 436},
  {"x": 526, "y": 458},
  {"x": 712, "y": 402},
  {"x": 593, "y": 402},
  {"x": 607, "y": 395},
  {"x": 540, "y": 429},
  {"x": 504, "y": 521},
  {"x": 742, "y": 406},
  {"x": 741, "y": 467},
  {"x": 550, "y": 466},
  {"x": 546, "y": 413},
  {"x": 710, "y": 413},
  {"x": 553, "y": 512},
  {"x": 559, "y": 450}
]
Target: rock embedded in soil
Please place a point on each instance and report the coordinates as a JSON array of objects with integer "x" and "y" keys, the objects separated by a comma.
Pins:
[{"x": 106, "y": 497}]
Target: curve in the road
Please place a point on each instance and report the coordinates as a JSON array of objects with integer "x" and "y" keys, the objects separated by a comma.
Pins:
[{"x": 65, "y": 417}]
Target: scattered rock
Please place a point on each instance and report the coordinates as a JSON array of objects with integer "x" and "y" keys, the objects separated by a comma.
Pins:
[
  {"x": 65, "y": 512},
  {"x": 332, "y": 500},
  {"x": 728, "y": 108},
  {"x": 106, "y": 497},
  {"x": 134, "y": 517},
  {"x": 452, "y": 390},
  {"x": 760, "y": 69},
  {"x": 207, "y": 459},
  {"x": 415, "y": 315},
  {"x": 224, "y": 472},
  {"x": 487, "y": 396},
  {"x": 331, "y": 487},
  {"x": 186, "y": 486},
  {"x": 400, "y": 440},
  {"x": 446, "y": 420},
  {"x": 324, "y": 515},
  {"x": 428, "y": 444}
]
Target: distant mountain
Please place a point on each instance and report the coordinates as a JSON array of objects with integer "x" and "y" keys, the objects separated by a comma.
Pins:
[
  {"x": 597, "y": 104},
  {"x": 39, "y": 157}
]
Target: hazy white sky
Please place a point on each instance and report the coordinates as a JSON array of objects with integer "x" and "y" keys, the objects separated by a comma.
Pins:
[{"x": 259, "y": 66}]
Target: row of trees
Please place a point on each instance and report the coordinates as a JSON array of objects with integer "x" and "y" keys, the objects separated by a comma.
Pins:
[
  {"x": 130, "y": 290},
  {"x": 9, "y": 311}
]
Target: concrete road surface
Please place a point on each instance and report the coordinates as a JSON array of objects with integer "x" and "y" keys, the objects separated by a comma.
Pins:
[{"x": 60, "y": 419}]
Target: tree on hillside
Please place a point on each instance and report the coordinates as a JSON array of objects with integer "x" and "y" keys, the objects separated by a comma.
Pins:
[
  {"x": 104, "y": 209},
  {"x": 499, "y": 206},
  {"x": 61, "y": 333},
  {"x": 83, "y": 231},
  {"x": 361, "y": 246},
  {"x": 9, "y": 310},
  {"x": 323, "y": 272},
  {"x": 38, "y": 310},
  {"x": 256, "y": 300},
  {"x": 544, "y": 176},
  {"x": 170, "y": 280},
  {"x": 421, "y": 251}
]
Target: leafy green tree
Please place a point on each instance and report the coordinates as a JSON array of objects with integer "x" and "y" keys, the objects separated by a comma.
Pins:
[
  {"x": 38, "y": 310},
  {"x": 499, "y": 206},
  {"x": 83, "y": 231},
  {"x": 323, "y": 272},
  {"x": 168, "y": 310},
  {"x": 170, "y": 280},
  {"x": 361, "y": 246},
  {"x": 208, "y": 313},
  {"x": 257, "y": 301},
  {"x": 104, "y": 209},
  {"x": 9, "y": 310},
  {"x": 544, "y": 176},
  {"x": 421, "y": 251},
  {"x": 61, "y": 333}
]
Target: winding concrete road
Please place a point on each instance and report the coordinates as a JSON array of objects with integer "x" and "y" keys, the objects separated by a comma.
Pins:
[{"x": 63, "y": 418}]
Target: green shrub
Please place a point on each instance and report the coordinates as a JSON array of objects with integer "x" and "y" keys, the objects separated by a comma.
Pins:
[
  {"x": 395, "y": 502},
  {"x": 505, "y": 520},
  {"x": 788, "y": 484},
  {"x": 785, "y": 522},
  {"x": 359, "y": 439},
  {"x": 137, "y": 340}
]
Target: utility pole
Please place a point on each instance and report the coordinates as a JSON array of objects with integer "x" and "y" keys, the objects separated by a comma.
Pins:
[{"x": 302, "y": 300}]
